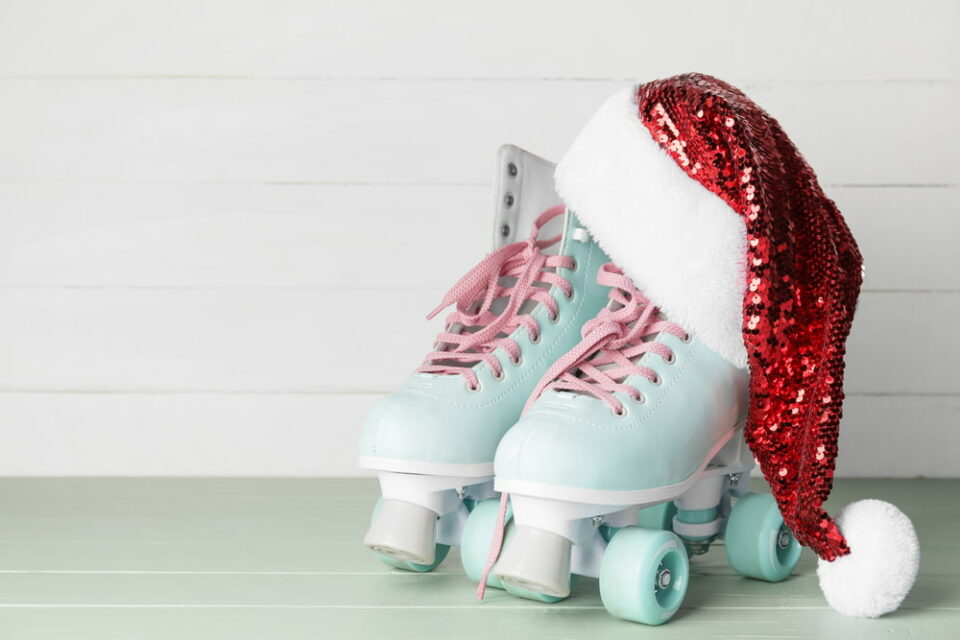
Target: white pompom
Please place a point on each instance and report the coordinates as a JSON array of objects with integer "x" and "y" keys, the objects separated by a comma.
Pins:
[{"x": 875, "y": 577}]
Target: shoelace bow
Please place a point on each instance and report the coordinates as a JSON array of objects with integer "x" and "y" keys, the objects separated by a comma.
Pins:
[
  {"x": 474, "y": 330},
  {"x": 600, "y": 364}
]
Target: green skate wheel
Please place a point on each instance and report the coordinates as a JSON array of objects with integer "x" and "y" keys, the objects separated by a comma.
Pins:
[
  {"x": 759, "y": 545},
  {"x": 441, "y": 553},
  {"x": 477, "y": 536},
  {"x": 643, "y": 575}
]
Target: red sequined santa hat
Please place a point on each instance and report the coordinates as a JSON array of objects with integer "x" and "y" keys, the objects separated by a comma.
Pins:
[{"x": 702, "y": 199}]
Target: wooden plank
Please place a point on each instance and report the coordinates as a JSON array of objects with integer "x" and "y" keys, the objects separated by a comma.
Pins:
[
  {"x": 299, "y": 557},
  {"x": 222, "y": 339},
  {"x": 855, "y": 39},
  {"x": 315, "y": 434},
  {"x": 471, "y": 622},
  {"x": 182, "y": 434},
  {"x": 242, "y": 235},
  {"x": 189, "y": 235},
  {"x": 248, "y": 130},
  {"x": 401, "y": 589},
  {"x": 903, "y": 235},
  {"x": 330, "y": 340}
]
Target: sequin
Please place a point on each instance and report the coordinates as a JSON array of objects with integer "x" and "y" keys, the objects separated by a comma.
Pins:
[{"x": 804, "y": 272}]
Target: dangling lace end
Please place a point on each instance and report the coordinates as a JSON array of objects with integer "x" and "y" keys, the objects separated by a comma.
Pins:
[
  {"x": 440, "y": 307},
  {"x": 495, "y": 545}
]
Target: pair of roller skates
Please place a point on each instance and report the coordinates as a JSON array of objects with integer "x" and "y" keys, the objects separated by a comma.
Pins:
[{"x": 616, "y": 433}]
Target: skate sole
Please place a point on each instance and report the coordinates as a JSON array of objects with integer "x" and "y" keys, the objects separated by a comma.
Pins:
[{"x": 396, "y": 465}]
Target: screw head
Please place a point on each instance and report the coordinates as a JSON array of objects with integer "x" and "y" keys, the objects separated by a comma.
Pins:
[
  {"x": 663, "y": 578},
  {"x": 783, "y": 539}
]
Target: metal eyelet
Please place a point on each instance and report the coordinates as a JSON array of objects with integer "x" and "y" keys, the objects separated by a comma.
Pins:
[
  {"x": 517, "y": 361},
  {"x": 657, "y": 380},
  {"x": 508, "y": 199},
  {"x": 473, "y": 388},
  {"x": 499, "y": 375},
  {"x": 640, "y": 399},
  {"x": 575, "y": 266},
  {"x": 554, "y": 319},
  {"x": 571, "y": 295},
  {"x": 535, "y": 340},
  {"x": 621, "y": 413},
  {"x": 670, "y": 359},
  {"x": 512, "y": 169},
  {"x": 686, "y": 338}
]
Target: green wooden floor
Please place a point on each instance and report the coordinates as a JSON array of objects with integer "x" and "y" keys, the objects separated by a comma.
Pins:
[{"x": 277, "y": 559}]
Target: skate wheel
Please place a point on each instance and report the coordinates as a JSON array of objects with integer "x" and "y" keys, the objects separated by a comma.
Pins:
[
  {"x": 643, "y": 575},
  {"x": 759, "y": 545},
  {"x": 440, "y": 553},
  {"x": 477, "y": 536}
]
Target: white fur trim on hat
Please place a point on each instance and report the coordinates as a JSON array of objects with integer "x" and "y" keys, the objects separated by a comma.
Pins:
[{"x": 682, "y": 245}]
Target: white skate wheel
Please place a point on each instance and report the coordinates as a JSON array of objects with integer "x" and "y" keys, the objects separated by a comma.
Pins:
[{"x": 403, "y": 531}]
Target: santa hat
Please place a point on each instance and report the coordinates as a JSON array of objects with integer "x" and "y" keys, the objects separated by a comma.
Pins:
[{"x": 700, "y": 197}]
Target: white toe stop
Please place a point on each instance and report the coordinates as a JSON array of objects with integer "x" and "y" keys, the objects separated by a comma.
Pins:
[{"x": 877, "y": 574}]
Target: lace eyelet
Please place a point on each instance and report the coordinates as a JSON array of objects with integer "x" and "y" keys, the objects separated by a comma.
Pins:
[
  {"x": 535, "y": 340},
  {"x": 555, "y": 318},
  {"x": 569, "y": 297},
  {"x": 575, "y": 266},
  {"x": 473, "y": 388},
  {"x": 686, "y": 338},
  {"x": 621, "y": 413},
  {"x": 499, "y": 375},
  {"x": 657, "y": 380},
  {"x": 670, "y": 359},
  {"x": 640, "y": 399},
  {"x": 517, "y": 361}
]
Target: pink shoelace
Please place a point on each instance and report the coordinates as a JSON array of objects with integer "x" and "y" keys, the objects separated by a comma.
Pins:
[
  {"x": 518, "y": 272},
  {"x": 611, "y": 343}
]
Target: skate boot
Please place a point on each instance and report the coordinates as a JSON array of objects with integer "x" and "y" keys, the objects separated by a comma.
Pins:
[
  {"x": 640, "y": 413},
  {"x": 433, "y": 440}
]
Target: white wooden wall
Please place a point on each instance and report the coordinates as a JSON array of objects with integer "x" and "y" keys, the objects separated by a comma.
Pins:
[{"x": 222, "y": 221}]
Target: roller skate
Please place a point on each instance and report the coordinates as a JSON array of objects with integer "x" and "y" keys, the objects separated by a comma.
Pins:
[
  {"x": 629, "y": 460},
  {"x": 432, "y": 441}
]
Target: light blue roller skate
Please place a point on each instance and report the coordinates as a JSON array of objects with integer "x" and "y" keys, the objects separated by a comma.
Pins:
[
  {"x": 433, "y": 440},
  {"x": 640, "y": 413}
]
